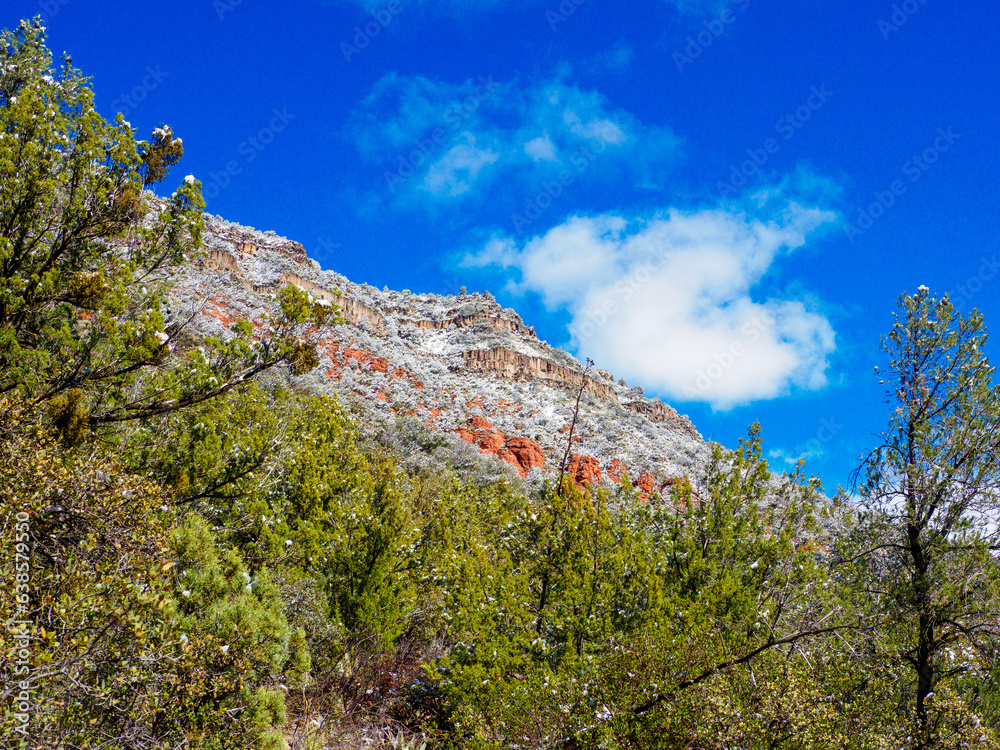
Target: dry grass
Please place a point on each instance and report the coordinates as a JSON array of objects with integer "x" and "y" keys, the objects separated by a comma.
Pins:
[
  {"x": 359, "y": 708},
  {"x": 351, "y": 732}
]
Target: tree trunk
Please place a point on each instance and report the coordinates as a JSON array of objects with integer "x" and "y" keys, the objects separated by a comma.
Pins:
[
  {"x": 925, "y": 678},
  {"x": 924, "y": 660}
]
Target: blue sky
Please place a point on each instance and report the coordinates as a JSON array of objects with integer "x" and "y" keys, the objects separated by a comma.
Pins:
[{"x": 719, "y": 201}]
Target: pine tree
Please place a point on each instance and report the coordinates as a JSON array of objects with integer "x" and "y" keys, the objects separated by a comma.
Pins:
[
  {"x": 933, "y": 486},
  {"x": 86, "y": 254},
  {"x": 73, "y": 245}
]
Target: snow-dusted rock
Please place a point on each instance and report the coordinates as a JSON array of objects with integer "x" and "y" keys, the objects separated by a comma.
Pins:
[{"x": 446, "y": 359}]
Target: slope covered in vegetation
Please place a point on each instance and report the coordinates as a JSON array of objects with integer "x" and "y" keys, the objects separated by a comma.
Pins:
[{"x": 198, "y": 554}]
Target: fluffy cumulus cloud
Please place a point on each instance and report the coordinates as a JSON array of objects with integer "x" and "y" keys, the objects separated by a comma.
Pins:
[
  {"x": 674, "y": 300},
  {"x": 439, "y": 143}
]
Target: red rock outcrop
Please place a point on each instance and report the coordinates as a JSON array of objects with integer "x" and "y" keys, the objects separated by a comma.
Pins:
[
  {"x": 647, "y": 485},
  {"x": 221, "y": 311},
  {"x": 507, "y": 407},
  {"x": 481, "y": 432},
  {"x": 520, "y": 452},
  {"x": 644, "y": 483},
  {"x": 481, "y": 424},
  {"x": 492, "y": 442},
  {"x": 365, "y": 361},
  {"x": 524, "y": 454},
  {"x": 679, "y": 485},
  {"x": 584, "y": 469}
]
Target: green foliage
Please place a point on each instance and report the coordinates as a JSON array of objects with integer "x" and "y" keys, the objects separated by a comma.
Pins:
[
  {"x": 824, "y": 702},
  {"x": 299, "y": 659},
  {"x": 199, "y": 544},
  {"x": 67, "y": 416},
  {"x": 235, "y": 638},
  {"x": 159, "y": 155},
  {"x": 932, "y": 489},
  {"x": 584, "y": 619},
  {"x": 86, "y": 257},
  {"x": 139, "y": 635},
  {"x": 346, "y": 519},
  {"x": 221, "y": 456},
  {"x": 73, "y": 248}
]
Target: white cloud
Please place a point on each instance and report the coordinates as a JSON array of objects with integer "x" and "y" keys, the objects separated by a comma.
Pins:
[
  {"x": 594, "y": 129},
  {"x": 541, "y": 149},
  {"x": 669, "y": 300},
  {"x": 455, "y": 172},
  {"x": 434, "y": 139},
  {"x": 813, "y": 451}
]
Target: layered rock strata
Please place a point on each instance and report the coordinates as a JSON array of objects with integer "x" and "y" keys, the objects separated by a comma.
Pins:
[{"x": 450, "y": 360}]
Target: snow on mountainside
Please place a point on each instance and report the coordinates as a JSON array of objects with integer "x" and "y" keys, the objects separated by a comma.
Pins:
[{"x": 462, "y": 363}]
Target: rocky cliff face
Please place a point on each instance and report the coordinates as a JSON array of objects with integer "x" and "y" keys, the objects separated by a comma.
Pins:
[{"x": 460, "y": 362}]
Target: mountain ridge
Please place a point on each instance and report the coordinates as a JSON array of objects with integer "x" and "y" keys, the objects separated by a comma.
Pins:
[{"x": 461, "y": 363}]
